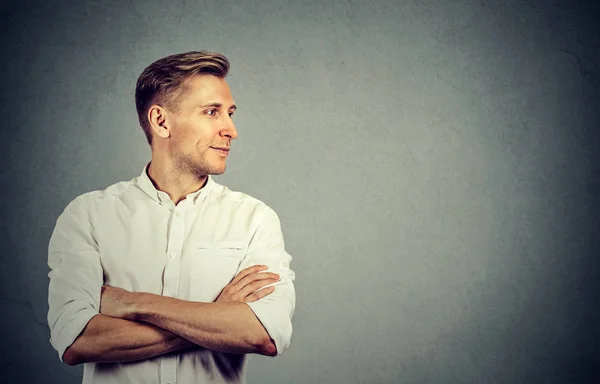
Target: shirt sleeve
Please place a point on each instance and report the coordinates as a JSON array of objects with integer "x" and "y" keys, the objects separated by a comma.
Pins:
[
  {"x": 275, "y": 310},
  {"x": 76, "y": 276}
]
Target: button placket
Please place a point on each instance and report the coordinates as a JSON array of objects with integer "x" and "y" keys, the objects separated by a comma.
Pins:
[
  {"x": 168, "y": 367},
  {"x": 174, "y": 248}
]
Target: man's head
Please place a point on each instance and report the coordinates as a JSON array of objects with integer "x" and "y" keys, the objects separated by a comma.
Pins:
[{"x": 184, "y": 107}]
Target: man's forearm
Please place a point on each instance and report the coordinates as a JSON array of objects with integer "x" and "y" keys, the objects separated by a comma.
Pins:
[
  {"x": 108, "y": 339},
  {"x": 225, "y": 327}
]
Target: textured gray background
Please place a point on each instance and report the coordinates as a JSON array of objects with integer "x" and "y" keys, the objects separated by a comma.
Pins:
[{"x": 434, "y": 164}]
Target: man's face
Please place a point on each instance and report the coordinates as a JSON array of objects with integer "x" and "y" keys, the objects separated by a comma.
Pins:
[{"x": 201, "y": 126}]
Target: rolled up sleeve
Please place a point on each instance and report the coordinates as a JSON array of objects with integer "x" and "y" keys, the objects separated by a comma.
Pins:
[
  {"x": 75, "y": 276},
  {"x": 275, "y": 310}
]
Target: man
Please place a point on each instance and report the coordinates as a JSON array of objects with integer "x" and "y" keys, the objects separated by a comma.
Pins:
[{"x": 171, "y": 277}]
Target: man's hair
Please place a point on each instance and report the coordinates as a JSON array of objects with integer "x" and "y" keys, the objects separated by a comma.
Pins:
[{"x": 163, "y": 81}]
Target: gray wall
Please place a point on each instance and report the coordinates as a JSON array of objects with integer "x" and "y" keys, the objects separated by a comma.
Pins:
[{"x": 434, "y": 165}]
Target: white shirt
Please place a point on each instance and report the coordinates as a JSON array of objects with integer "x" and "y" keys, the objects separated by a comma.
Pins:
[{"x": 133, "y": 236}]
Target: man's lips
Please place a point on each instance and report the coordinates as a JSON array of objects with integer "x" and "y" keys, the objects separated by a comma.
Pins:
[{"x": 222, "y": 150}]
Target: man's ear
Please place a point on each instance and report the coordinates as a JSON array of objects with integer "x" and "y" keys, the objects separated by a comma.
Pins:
[{"x": 157, "y": 117}]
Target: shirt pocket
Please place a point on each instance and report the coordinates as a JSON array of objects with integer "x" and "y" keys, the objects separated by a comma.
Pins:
[{"x": 213, "y": 266}]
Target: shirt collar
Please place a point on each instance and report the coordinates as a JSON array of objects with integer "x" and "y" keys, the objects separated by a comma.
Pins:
[{"x": 145, "y": 184}]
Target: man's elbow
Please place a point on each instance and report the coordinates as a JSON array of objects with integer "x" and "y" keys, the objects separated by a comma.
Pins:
[
  {"x": 268, "y": 347},
  {"x": 266, "y": 344},
  {"x": 71, "y": 357}
]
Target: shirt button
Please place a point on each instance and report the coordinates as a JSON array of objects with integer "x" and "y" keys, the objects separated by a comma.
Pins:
[
  {"x": 178, "y": 214},
  {"x": 173, "y": 255},
  {"x": 285, "y": 264}
]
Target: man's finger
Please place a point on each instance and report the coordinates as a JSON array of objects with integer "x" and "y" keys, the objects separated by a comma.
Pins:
[
  {"x": 256, "y": 285},
  {"x": 250, "y": 279},
  {"x": 259, "y": 294},
  {"x": 245, "y": 272}
]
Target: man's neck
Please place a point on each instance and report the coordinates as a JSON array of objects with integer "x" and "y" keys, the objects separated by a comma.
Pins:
[{"x": 176, "y": 183}]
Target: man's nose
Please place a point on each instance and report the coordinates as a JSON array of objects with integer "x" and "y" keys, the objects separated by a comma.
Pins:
[{"x": 229, "y": 130}]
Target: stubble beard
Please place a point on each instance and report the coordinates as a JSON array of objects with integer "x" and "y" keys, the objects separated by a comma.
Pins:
[{"x": 198, "y": 165}]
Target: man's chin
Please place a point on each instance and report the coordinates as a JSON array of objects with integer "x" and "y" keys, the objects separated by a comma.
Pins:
[
  {"x": 202, "y": 170},
  {"x": 216, "y": 171}
]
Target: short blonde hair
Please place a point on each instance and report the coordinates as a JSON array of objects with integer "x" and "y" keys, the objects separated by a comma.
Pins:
[{"x": 163, "y": 81}]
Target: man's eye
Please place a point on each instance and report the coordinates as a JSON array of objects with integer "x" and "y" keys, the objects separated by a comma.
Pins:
[{"x": 211, "y": 112}]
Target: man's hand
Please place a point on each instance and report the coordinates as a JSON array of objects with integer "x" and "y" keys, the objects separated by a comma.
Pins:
[
  {"x": 117, "y": 302},
  {"x": 244, "y": 286}
]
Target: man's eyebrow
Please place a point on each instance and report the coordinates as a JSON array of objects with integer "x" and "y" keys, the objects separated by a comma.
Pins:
[{"x": 217, "y": 105}]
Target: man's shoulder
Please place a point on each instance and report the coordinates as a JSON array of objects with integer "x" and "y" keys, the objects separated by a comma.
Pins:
[
  {"x": 223, "y": 192},
  {"x": 225, "y": 195},
  {"x": 113, "y": 191}
]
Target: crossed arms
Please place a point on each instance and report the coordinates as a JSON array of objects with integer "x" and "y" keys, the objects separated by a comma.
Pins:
[
  {"x": 134, "y": 326},
  {"x": 109, "y": 324}
]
